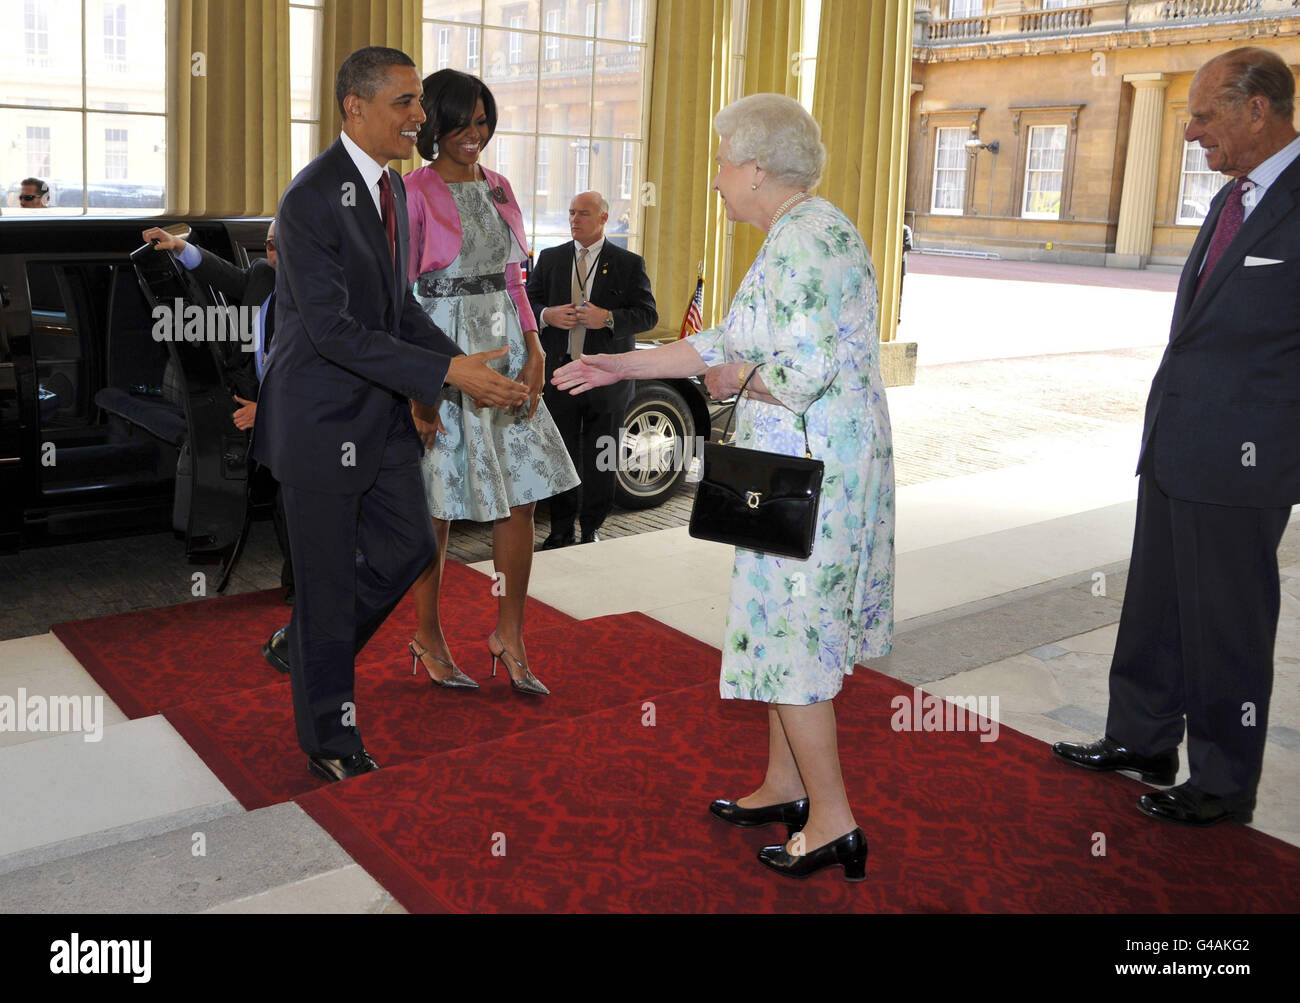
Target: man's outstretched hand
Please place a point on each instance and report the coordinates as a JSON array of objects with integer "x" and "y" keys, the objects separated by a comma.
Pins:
[{"x": 471, "y": 375}]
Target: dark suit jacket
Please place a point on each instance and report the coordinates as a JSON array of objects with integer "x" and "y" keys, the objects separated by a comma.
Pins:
[
  {"x": 618, "y": 283},
  {"x": 241, "y": 286},
  {"x": 1227, "y": 393},
  {"x": 351, "y": 341}
]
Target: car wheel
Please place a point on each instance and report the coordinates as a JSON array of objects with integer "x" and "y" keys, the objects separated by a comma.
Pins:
[{"x": 652, "y": 458}]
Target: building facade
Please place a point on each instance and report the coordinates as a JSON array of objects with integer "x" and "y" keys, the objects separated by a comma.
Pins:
[{"x": 1049, "y": 130}]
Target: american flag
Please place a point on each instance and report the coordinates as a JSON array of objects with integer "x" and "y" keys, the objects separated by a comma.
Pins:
[{"x": 693, "y": 322}]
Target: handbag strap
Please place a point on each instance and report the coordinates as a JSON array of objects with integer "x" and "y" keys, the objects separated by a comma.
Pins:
[{"x": 803, "y": 415}]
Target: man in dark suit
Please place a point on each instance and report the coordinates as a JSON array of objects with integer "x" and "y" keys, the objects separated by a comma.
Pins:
[
  {"x": 253, "y": 287},
  {"x": 1219, "y": 469},
  {"x": 594, "y": 297},
  {"x": 353, "y": 350}
]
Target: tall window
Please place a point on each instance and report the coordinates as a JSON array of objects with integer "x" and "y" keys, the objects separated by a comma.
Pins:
[
  {"x": 36, "y": 34},
  {"x": 444, "y": 48},
  {"x": 115, "y": 155},
  {"x": 636, "y": 21},
  {"x": 949, "y": 171},
  {"x": 38, "y": 151},
  {"x": 68, "y": 102},
  {"x": 516, "y": 40},
  {"x": 1056, "y": 4},
  {"x": 581, "y": 166},
  {"x": 471, "y": 50},
  {"x": 551, "y": 44},
  {"x": 569, "y": 79},
  {"x": 965, "y": 8},
  {"x": 1044, "y": 170},
  {"x": 115, "y": 35},
  {"x": 305, "y": 19},
  {"x": 629, "y": 166},
  {"x": 1197, "y": 186},
  {"x": 543, "y": 186}
]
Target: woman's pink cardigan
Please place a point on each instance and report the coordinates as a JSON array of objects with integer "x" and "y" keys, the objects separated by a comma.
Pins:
[{"x": 436, "y": 232}]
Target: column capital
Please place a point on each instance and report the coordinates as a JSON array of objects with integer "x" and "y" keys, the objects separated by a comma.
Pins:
[{"x": 1147, "y": 79}]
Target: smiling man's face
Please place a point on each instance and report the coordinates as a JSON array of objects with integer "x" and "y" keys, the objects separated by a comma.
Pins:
[{"x": 386, "y": 126}]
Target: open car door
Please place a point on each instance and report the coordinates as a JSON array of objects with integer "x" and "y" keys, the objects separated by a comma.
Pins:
[{"x": 215, "y": 515}]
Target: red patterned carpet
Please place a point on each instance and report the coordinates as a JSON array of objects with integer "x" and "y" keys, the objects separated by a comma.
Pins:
[{"x": 491, "y": 801}]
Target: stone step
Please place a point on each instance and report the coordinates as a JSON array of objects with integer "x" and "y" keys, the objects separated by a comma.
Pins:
[{"x": 65, "y": 796}]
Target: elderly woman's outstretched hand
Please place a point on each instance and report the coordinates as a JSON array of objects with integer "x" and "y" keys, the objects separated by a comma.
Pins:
[{"x": 588, "y": 372}]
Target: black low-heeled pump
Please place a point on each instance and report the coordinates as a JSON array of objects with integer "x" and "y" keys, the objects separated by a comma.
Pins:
[
  {"x": 792, "y": 814},
  {"x": 849, "y": 851}
]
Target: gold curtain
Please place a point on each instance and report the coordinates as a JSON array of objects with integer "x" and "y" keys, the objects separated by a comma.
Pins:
[
  {"x": 692, "y": 59},
  {"x": 864, "y": 65},
  {"x": 228, "y": 113},
  {"x": 773, "y": 36},
  {"x": 348, "y": 25}
]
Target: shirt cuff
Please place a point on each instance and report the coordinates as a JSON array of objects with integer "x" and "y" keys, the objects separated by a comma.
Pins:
[{"x": 190, "y": 257}]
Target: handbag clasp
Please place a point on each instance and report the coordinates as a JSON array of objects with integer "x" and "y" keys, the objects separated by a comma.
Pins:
[{"x": 752, "y": 498}]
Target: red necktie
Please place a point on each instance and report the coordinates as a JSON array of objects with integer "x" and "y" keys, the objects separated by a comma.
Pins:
[
  {"x": 1234, "y": 211},
  {"x": 388, "y": 211}
]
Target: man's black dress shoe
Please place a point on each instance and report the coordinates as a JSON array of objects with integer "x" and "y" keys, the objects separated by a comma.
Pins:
[
  {"x": 849, "y": 851},
  {"x": 556, "y": 540},
  {"x": 342, "y": 769},
  {"x": 276, "y": 650},
  {"x": 792, "y": 814},
  {"x": 1193, "y": 806},
  {"x": 590, "y": 536},
  {"x": 1107, "y": 754}
]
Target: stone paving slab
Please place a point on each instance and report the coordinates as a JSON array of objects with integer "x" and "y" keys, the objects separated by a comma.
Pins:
[{"x": 244, "y": 855}]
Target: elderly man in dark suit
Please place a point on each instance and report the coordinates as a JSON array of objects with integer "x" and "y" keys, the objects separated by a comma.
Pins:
[
  {"x": 590, "y": 296},
  {"x": 1220, "y": 469},
  {"x": 353, "y": 351}
]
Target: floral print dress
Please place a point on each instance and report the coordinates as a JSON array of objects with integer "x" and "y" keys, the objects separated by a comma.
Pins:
[{"x": 807, "y": 311}]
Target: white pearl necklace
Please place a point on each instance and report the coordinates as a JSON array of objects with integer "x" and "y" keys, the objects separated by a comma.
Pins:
[{"x": 787, "y": 204}]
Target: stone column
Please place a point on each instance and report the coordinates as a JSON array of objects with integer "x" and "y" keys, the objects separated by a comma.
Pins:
[{"x": 1137, "y": 207}]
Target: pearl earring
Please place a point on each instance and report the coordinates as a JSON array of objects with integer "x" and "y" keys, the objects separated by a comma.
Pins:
[
  {"x": 435, "y": 150},
  {"x": 753, "y": 188}
]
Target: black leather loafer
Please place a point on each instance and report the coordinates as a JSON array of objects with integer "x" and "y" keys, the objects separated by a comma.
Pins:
[
  {"x": 849, "y": 851},
  {"x": 557, "y": 540},
  {"x": 792, "y": 814},
  {"x": 342, "y": 769},
  {"x": 1107, "y": 754},
  {"x": 1190, "y": 805},
  {"x": 590, "y": 536},
  {"x": 276, "y": 650}
]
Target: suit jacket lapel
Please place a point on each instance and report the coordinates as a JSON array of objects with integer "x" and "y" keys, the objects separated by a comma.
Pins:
[
  {"x": 599, "y": 280},
  {"x": 562, "y": 291},
  {"x": 1192, "y": 270},
  {"x": 368, "y": 219},
  {"x": 1277, "y": 202}
]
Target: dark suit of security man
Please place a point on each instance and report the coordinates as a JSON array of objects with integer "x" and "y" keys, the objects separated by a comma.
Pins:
[
  {"x": 1219, "y": 469},
  {"x": 252, "y": 287},
  {"x": 354, "y": 356},
  {"x": 593, "y": 297}
]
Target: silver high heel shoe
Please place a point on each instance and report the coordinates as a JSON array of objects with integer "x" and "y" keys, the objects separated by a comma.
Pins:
[
  {"x": 458, "y": 680},
  {"x": 529, "y": 684}
]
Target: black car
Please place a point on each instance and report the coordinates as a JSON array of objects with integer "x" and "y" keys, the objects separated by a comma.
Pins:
[{"x": 88, "y": 440}]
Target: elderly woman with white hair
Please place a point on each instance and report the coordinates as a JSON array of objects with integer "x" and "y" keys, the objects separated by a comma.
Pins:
[{"x": 805, "y": 317}]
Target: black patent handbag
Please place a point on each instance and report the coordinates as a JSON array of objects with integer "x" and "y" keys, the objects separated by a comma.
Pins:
[{"x": 757, "y": 500}]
